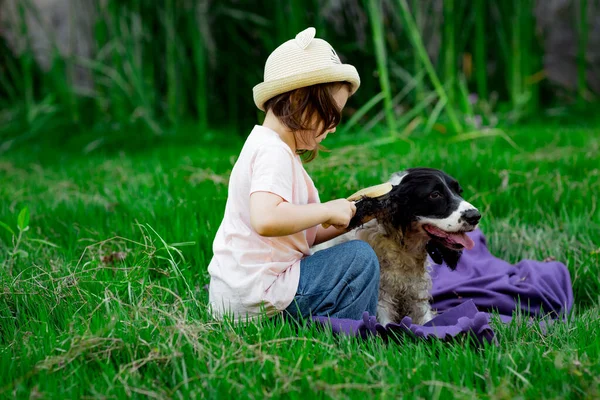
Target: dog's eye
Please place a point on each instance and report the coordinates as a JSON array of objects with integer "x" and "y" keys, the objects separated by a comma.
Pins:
[{"x": 435, "y": 195}]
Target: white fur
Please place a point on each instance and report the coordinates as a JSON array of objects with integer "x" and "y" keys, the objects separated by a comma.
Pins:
[{"x": 452, "y": 223}]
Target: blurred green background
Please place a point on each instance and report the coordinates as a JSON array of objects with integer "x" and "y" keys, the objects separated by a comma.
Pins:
[{"x": 96, "y": 67}]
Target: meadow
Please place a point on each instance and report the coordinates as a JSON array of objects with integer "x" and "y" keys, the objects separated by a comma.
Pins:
[
  {"x": 104, "y": 253},
  {"x": 115, "y": 156}
]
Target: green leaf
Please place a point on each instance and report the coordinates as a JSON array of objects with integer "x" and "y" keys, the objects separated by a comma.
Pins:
[
  {"x": 23, "y": 219},
  {"x": 8, "y": 228}
]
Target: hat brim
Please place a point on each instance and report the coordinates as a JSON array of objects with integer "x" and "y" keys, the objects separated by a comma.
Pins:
[{"x": 338, "y": 73}]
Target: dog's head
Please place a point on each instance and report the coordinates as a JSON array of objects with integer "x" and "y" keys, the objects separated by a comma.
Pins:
[{"x": 424, "y": 206}]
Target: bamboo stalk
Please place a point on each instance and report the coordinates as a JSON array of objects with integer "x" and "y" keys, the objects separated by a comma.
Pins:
[
  {"x": 418, "y": 65},
  {"x": 374, "y": 11},
  {"x": 516, "y": 83},
  {"x": 118, "y": 103},
  {"x": 450, "y": 50},
  {"x": 100, "y": 40},
  {"x": 281, "y": 25},
  {"x": 9, "y": 75},
  {"x": 583, "y": 29},
  {"x": 480, "y": 53},
  {"x": 26, "y": 64},
  {"x": 141, "y": 96},
  {"x": 420, "y": 49},
  {"x": 319, "y": 19},
  {"x": 502, "y": 33},
  {"x": 171, "y": 53},
  {"x": 200, "y": 65},
  {"x": 297, "y": 20},
  {"x": 531, "y": 59},
  {"x": 69, "y": 70}
]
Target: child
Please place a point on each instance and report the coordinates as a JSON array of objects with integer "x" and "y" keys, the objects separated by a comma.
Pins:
[{"x": 262, "y": 260}]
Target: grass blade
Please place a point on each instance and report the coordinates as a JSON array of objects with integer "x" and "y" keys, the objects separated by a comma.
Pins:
[
  {"x": 8, "y": 228},
  {"x": 362, "y": 111},
  {"x": 435, "y": 114},
  {"x": 374, "y": 10}
]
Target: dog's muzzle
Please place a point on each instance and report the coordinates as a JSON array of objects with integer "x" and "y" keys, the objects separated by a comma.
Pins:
[{"x": 471, "y": 216}]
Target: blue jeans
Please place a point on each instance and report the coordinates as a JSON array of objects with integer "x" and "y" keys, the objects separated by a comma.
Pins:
[{"x": 340, "y": 282}]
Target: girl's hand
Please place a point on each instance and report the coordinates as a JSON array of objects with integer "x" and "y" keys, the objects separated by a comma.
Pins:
[{"x": 340, "y": 213}]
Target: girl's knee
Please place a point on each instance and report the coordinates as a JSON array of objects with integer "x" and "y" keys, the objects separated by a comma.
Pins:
[{"x": 365, "y": 256}]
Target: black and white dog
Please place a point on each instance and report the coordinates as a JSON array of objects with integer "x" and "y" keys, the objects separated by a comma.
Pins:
[{"x": 423, "y": 214}]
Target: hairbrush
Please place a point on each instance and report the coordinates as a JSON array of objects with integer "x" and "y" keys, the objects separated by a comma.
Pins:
[{"x": 371, "y": 192}]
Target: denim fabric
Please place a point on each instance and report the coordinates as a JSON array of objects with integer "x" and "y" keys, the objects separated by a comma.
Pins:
[{"x": 340, "y": 282}]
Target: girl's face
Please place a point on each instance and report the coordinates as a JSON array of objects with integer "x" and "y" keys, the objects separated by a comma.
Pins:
[{"x": 341, "y": 97}]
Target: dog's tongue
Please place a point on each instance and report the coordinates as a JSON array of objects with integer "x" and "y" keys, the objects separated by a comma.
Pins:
[
  {"x": 463, "y": 239},
  {"x": 459, "y": 238}
]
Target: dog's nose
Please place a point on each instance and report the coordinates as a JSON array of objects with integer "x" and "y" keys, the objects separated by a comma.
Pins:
[{"x": 472, "y": 216}]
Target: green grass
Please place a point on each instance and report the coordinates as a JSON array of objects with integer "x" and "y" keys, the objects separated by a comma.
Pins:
[{"x": 76, "y": 321}]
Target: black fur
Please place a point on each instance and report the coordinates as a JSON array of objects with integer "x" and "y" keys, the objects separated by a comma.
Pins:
[
  {"x": 441, "y": 254},
  {"x": 367, "y": 208}
]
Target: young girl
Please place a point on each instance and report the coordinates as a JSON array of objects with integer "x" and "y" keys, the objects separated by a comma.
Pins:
[{"x": 262, "y": 261}]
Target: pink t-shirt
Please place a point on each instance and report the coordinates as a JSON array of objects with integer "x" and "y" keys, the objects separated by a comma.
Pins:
[{"x": 251, "y": 273}]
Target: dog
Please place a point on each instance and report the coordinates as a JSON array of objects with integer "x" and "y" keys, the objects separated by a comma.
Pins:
[{"x": 423, "y": 214}]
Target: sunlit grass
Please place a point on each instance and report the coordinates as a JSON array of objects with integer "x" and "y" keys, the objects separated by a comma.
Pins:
[{"x": 106, "y": 296}]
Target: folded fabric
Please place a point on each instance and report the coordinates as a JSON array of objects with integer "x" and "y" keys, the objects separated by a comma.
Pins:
[
  {"x": 461, "y": 320},
  {"x": 535, "y": 288},
  {"x": 463, "y": 298}
]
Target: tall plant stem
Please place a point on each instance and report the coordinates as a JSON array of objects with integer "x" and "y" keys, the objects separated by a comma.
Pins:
[
  {"x": 417, "y": 43},
  {"x": 418, "y": 65},
  {"x": 200, "y": 65},
  {"x": 172, "y": 81},
  {"x": 26, "y": 62},
  {"x": 374, "y": 9},
  {"x": 450, "y": 50},
  {"x": 516, "y": 59},
  {"x": 480, "y": 53},
  {"x": 582, "y": 47}
]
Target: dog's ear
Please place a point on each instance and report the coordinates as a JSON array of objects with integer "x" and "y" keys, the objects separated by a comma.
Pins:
[
  {"x": 441, "y": 254},
  {"x": 368, "y": 208},
  {"x": 392, "y": 207}
]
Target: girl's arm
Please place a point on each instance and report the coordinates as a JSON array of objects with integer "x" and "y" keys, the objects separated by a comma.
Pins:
[
  {"x": 325, "y": 234},
  {"x": 270, "y": 215}
]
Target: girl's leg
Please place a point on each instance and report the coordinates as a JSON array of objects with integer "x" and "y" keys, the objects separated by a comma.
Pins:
[{"x": 341, "y": 282}]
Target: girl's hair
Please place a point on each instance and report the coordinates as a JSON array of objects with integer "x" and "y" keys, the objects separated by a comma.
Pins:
[{"x": 301, "y": 109}]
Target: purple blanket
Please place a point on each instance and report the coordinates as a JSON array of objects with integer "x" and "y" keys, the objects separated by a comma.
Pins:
[{"x": 480, "y": 284}]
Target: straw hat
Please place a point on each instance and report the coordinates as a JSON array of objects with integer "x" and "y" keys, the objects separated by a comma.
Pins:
[{"x": 299, "y": 62}]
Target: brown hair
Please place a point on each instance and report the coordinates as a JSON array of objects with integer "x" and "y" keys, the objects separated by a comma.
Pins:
[{"x": 298, "y": 108}]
